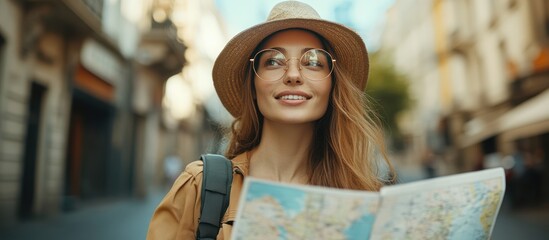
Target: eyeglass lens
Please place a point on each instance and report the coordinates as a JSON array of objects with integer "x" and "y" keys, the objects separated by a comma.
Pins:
[{"x": 272, "y": 65}]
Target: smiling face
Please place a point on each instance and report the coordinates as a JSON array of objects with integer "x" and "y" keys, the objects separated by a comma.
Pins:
[{"x": 293, "y": 99}]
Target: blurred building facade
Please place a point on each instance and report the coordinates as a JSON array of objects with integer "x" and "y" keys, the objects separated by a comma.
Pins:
[
  {"x": 83, "y": 113},
  {"x": 479, "y": 71}
]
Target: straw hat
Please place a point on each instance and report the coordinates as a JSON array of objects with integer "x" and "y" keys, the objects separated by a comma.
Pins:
[{"x": 231, "y": 65}]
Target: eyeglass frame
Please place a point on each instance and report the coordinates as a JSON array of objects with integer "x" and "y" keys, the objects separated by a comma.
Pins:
[{"x": 252, "y": 61}]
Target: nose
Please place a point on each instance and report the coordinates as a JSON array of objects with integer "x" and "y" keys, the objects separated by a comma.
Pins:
[{"x": 293, "y": 73}]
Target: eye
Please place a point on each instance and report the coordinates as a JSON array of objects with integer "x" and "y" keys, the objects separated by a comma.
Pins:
[
  {"x": 270, "y": 59},
  {"x": 316, "y": 60},
  {"x": 274, "y": 62},
  {"x": 312, "y": 61}
]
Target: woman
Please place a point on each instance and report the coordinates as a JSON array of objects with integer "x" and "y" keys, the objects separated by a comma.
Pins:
[{"x": 295, "y": 87}]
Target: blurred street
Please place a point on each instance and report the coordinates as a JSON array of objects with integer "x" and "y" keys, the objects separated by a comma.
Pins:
[
  {"x": 112, "y": 219},
  {"x": 129, "y": 219}
]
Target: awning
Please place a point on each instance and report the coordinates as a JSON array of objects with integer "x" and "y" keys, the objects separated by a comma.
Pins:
[
  {"x": 527, "y": 119},
  {"x": 481, "y": 127}
]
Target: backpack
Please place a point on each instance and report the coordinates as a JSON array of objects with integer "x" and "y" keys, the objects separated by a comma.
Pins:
[{"x": 217, "y": 178}]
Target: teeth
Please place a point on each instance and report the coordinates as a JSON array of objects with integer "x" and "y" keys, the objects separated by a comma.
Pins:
[{"x": 292, "y": 97}]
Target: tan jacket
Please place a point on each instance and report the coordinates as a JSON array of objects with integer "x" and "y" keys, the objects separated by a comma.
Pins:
[{"x": 177, "y": 215}]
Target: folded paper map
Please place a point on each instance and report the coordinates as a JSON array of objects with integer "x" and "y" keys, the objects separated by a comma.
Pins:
[{"x": 461, "y": 206}]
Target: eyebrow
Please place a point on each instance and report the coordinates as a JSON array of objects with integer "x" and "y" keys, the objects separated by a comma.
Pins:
[{"x": 283, "y": 50}]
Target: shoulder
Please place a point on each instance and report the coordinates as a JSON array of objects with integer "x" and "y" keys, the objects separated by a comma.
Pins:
[
  {"x": 192, "y": 174},
  {"x": 195, "y": 168}
]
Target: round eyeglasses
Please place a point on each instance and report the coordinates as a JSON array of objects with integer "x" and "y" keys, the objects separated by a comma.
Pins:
[{"x": 272, "y": 65}]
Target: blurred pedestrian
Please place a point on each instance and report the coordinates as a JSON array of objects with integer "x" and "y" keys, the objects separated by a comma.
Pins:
[
  {"x": 532, "y": 178},
  {"x": 428, "y": 162},
  {"x": 295, "y": 87}
]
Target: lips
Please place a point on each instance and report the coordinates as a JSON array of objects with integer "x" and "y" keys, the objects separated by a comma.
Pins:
[{"x": 293, "y": 95}]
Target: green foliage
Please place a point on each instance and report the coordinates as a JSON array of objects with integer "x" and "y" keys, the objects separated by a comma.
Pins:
[{"x": 388, "y": 90}]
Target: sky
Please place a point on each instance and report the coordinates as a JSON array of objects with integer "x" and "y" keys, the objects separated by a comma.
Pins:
[{"x": 366, "y": 16}]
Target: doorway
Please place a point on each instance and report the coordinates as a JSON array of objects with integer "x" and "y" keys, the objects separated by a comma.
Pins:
[
  {"x": 28, "y": 180},
  {"x": 89, "y": 149}
]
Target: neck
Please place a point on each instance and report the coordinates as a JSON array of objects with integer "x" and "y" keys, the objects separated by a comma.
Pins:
[{"x": 283, "y": 153}]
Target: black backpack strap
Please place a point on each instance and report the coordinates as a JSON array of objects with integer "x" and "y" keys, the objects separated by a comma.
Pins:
[{"x": 217, "y": 178}]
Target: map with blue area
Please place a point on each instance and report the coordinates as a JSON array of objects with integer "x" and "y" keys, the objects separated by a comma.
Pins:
[{"x": 278, "y": 211}]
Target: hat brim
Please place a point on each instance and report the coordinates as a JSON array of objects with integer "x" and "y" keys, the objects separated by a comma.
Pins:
[{"x": 228, "y": 75}]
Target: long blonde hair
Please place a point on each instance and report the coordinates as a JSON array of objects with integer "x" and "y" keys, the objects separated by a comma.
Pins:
[{"x": 348, "y": 143}]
